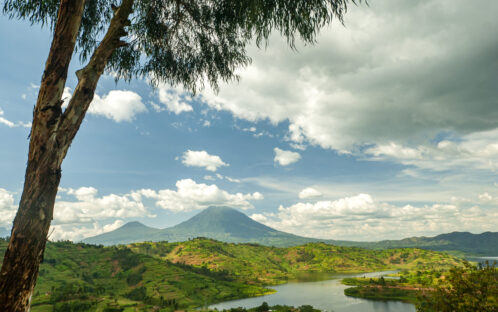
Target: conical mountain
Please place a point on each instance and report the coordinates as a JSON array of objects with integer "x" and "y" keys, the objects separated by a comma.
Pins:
[
  {"x": 226, "y": 221},
  {"x": 230, "y": 225},
  {"x": 220, "y": 223}
]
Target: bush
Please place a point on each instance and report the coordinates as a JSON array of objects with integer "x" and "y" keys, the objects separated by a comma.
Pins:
[
  {"x": 465, "y": 289},
  {"x": 137, "y": 294}
]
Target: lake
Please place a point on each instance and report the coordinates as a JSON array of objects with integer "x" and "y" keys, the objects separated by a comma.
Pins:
[{"x": 326, "y": 295}]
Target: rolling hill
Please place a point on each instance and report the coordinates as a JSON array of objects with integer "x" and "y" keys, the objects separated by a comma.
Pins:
[
  {"x": 161, "y": 276},
  {"x": 230, "y": 225},
  {"x": 479, "y": 244}
]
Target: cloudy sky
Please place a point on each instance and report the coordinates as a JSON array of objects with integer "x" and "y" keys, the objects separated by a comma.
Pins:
[{"x": 386, "y": 128}]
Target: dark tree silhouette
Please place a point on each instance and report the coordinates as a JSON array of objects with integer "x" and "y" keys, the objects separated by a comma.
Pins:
[{"x": 179, "y": 42}]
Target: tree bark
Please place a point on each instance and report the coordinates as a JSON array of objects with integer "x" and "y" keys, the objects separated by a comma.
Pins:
[{"x": 51, "y": 135}]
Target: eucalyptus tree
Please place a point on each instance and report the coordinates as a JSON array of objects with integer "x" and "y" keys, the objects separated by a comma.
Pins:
[{"x": 180, "y": 42}]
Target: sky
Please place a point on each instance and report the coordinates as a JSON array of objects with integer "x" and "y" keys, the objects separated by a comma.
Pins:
[{"x": 385, "y": 128}]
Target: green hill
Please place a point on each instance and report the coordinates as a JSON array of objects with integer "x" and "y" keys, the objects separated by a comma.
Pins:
[
  {"x": 252, "y": 263},
  {"x": 485, "y": 244},
  {"x": 230, "y": 225},
  {"x": 172, "y": 276},
  {"x": 80, "y": 277}
]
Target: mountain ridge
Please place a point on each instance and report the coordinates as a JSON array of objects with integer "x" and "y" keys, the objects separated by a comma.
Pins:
[{"x": 230, "y": 225}]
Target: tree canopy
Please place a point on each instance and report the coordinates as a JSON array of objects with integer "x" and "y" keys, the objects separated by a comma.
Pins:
[
  {"x": 465, "y": 289},
  {"x": 179, "y": 42},
  {"x": 188, "y": 42}
]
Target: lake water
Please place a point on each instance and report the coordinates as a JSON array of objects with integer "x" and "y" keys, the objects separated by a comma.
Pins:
[
  {"x": 482, "y": 260},
  {"x": 326, "y": 295}
]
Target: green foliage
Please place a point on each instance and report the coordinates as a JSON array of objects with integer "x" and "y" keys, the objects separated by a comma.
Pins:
[
  {"x": 276, "y": 308},
  {"x": 250, "y": 263},
  {"x": 187, "y": 42},
  {"x": 263, "y": 307},
  {"x": 382, "y": 293},
  {"x": 465, "y": 289},
  {"x": 91, "y": 275},
  {"x": 138, "y": 294}
]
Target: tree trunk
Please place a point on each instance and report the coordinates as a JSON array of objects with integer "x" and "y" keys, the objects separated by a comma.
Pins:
[
  {"x": 51, "y": 135},
  {"x": 32, "y": 222}
]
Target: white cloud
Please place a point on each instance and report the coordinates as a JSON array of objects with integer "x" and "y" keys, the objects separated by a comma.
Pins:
[
  {"x": 118, "y": 105},
  {"x": 221, "y": 177},
  {"x": 285, "y": 158},
  {"x": 202, "y": 159},
  {"x": 195, "y": 196},
  {"x": 88, "y": 207},
  {"x": 309, "y": 192},
  {"x": 258, "y": 217},
  {"x": 7, "y": 208},
  {"x": 4, "y": 121},
  {"x": 233, "y": 180},
  {"x": 384, "y": 81},
  {"x": 475, "y": 151},
  {"x": 361, "y": 217},
  {"x": 174, "y": 99},
  {"x": 76, "y": 233},
  {"x": 11, "y": 124}
]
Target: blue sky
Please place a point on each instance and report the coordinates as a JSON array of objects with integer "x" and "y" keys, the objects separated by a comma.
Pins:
[{"x": 386, "y": 128}]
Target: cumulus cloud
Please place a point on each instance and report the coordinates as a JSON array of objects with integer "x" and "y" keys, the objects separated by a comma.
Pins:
[
  {"x": 75, "y": 233},
  {"x": 7, "y": 208},
  {"x": 202, "y": 159},
  {"x": 11, "y": 124},
  {"x": 88, "y": 207},
  {"x": 285, "y": 158},
  {"x": 309, "y": 192},
  {"x": 385, "y": 77},
  {"x": 361, "y": 217},
  {"x": 118, "y": 105},
  {"x": 477, "y": 151},
  {"x": 174, "y": 99},
  {"x": 190, "y": 195}
]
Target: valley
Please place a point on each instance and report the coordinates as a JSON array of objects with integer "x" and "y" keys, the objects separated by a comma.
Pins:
[{"x": 199, "y": 272}]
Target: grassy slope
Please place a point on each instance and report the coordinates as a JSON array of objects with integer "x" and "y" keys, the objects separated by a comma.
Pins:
[
  {"x": 269, "y": 265},
  {"x": 105, "y": 277}
]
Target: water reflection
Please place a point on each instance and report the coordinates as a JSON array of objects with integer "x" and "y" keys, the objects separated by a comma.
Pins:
[{"x": 326, "y": 295}]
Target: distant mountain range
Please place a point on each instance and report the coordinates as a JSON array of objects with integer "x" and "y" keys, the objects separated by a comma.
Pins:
[
  {"x": 230, "y": 225},
  {"x": 220, "y": 223}
]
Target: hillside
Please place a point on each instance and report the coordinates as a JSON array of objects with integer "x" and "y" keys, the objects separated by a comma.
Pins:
[
  {"x": 197, "y": 272},
  {"x": 479, "y": 244},
  {"x": 230, "y": 225},
  {"x": 80, "y": 277},
  {"x": 259, "y": 264}
]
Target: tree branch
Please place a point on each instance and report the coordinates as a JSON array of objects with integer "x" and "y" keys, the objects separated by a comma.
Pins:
[{"x": 89, "y": 76}]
